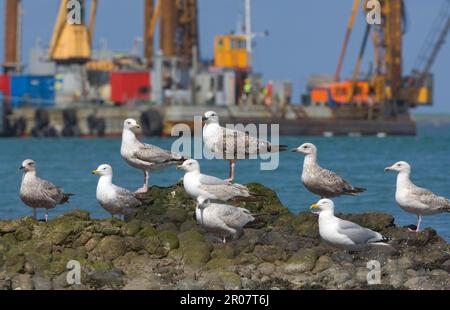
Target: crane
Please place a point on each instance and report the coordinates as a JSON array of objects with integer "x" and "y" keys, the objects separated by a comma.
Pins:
[
  {"x": 386, "y": 85},
  {"x": 72, "y": 43},
  {"x": 12, "y": 61},
  {"x": 178, "y": 28}
]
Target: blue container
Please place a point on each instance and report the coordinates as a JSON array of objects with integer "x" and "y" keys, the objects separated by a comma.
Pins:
[{"x": 32, "y": 90}]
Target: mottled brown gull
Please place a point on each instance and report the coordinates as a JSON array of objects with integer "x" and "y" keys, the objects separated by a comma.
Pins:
[
  {"x": 114, "y": 199},
  {"x": 232, "y": 144},
  {"x": 414, "y": 199},
  {"x": 221, "y": 219},
  {"x": 320, "y": 181},
  {"x": 145, "y": 157},
  {"x": 342, "y": 233},
  {"x": 197, "y": 184},
  {"x": 38, "y": 193}
]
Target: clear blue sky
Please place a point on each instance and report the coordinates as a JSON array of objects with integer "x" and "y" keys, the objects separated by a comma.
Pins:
[{"x": 305, "y": 36}]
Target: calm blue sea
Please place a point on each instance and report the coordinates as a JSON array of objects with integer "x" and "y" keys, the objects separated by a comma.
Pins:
[{"x": 361, "y": 160}]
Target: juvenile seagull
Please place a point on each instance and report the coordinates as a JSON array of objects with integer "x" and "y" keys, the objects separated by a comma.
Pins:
[
  {"x": 220, "y": 219},
  {"x": 112, "y": 198},
  {"x": 414, "y": 199},
  {"x": 233, "y": 144},
  {"x": 145, "y": 157},
  {"x": 344, "y": 234},
  {"x": 197, "y": 184},
  {"x": 39, "y": 193},
  {"x": 320, "y": 181}
]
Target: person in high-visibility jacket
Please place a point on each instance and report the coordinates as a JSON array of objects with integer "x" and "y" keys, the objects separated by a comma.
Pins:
[{"x": 247, "y": 90}]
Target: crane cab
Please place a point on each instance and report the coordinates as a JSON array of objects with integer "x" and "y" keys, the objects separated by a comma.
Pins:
[{"x": 230, "y": 51}]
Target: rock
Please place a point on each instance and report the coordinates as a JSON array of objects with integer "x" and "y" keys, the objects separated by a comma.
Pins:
[
  {"x": 41, "y": 283},
  {"x": 302, "y": 261},
  {"x": 305, "y": 224},
  {"x": 131, "y": 228},
  {"x": 22, "y": 282},
  {"x": 60, "y": 281},
  {"x": 106, "y": 278},
  {"x": 416, "y": 283},
  {"x": 162, "y": 247},
  {"x": 196, "y": 252},
  {"x": 220, "y": 263},
  {"x": 268, "y": 253},
  {"x": 170, "y": 238},
  {"x": 28, "y": 268},
  {"x": 23, "y": 233},
  {"x": 266, "y": 268},
  {"x": 155, "y": 247},
  {"x": 322, "y": 263},
  {"x": 8, "y": 226},
  {"x": 112, "y": 247},
  {"x": 175, "y": 215},
  {"x": 142, "y": 283}
]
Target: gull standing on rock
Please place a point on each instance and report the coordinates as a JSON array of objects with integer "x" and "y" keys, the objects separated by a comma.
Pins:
[
  {"x": 39, "y": 193},
  {"x": 320, "y": 181},
  {"x": 114, "y": 199},
  {"x": 342, "y": 233},
  {"x": 197, "y": 184},
  {"x": 414, "y": 199},
  {"x": 220, "y": 219},
  {"x": 232, "y": 144},
  {"x": 145, "y": 157}
]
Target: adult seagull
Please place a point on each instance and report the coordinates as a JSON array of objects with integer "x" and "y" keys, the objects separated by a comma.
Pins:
[{"x": 342, "y": 233}]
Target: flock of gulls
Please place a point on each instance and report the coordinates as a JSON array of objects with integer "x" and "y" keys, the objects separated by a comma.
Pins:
[{"x": 210, "y": 193}]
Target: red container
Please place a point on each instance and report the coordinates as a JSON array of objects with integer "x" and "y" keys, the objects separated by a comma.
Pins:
[
  {"x": 129, "y": 86},
  {"x": 5, "y": 85}
]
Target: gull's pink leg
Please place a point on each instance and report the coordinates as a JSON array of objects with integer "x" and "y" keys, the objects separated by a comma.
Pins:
[
  {"x": 144, "y": 188},
  {"x": 232, "y": 165},
  {"x": 46, "y": 215},
  {"x": 34, "y": 213},
  {"x": 419, "y": 220}
]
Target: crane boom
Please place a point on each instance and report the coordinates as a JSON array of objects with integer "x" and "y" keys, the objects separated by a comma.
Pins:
[{"x": 346, "y": 39}]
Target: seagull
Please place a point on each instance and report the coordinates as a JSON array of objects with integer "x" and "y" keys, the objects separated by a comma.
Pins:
[
  {"x": 414, "y": 199},
  {"x": 114, "y": 199},
  {"x": 344, "y": 234},
  {"x": 220, "y": 219},
  {"x": 233, "y": 144},
  {"x": 39, "y": 193},
  {"x": 320, "y": 181},
  {"x": 145, "y": 157},
  {"x": 197, "y": 184}
]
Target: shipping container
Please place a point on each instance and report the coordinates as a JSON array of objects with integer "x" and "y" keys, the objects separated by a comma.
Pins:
[
  {"x": 32, "y": 90},
  {"x": 4, "y": 84},
  {"x": 129, "y": 86}
]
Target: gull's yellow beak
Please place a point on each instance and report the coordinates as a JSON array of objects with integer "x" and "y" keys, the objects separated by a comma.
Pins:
[
  {"x": 314, "y": 206},
  {"x": 94, "y": 171},
  {"x": 137, "y": 126}
]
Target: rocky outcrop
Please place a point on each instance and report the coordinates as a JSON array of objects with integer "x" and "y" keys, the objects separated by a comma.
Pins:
[{"x": 162, "y": 247}]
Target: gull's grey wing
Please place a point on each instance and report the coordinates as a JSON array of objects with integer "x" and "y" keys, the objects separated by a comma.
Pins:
[
  {"x": 49, "y": 190},
  {"x": 225, "y": 190},
  {"x": 125, "y": 198},
  {"x": 331, "y": 181},
  {"x": 430, "y": 199},
  {"x": 154, "y": 154},
  {"x": 233, "y": 143},
  {"x": 210, "y": 180},
  {"x": 359, "y": 235},
  {"x": 233, "y": 216}
]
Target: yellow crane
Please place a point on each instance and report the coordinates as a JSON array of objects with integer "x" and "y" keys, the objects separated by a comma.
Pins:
[{"x": 72, "y": 42}]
